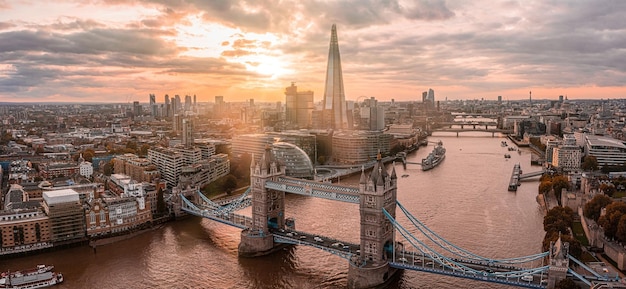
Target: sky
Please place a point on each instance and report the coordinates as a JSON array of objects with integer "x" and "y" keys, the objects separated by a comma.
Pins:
[{"x": 124, "y": 50}]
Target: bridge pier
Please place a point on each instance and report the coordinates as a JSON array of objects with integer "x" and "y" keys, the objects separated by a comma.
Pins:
[
  {"x": 370, "y": 276},
  {"x": 255, "y": 244}
]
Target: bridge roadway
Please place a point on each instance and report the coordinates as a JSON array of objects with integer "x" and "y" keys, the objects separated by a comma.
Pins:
[{"x": 337, "y": 247}]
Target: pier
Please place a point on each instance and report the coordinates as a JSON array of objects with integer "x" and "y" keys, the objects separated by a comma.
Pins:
[{"x": 515, "y": 177}]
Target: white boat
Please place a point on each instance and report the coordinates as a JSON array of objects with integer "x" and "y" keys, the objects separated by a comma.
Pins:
[{"x": 41, "y": 277}]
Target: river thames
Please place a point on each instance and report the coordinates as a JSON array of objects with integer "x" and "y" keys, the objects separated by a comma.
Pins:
[{"x": 465, "y": 200}]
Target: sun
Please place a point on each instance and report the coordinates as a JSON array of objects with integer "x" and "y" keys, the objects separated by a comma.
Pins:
[{"x": 257, "y": 52}]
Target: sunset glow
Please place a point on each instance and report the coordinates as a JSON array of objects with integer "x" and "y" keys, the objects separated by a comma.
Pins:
[{"x": 112, "y": 51}]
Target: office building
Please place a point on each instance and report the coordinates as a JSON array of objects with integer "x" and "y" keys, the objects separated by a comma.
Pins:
[
  {"x": 187, "y": 132},
  {"x": 24, "y": 230},
  {"x": 567, "y": 156},
  {"x": 607, "y": 150},
  {"x": 372, "y": 115},
  {"x": 170, "y": 161},
  {"x": 298, "y": 107},
  {"x": 334, "y": 103},
  {"x": 167, "y": 110},
  {"x": 67, "y": 220},
  {"x": 357, "y": 147},
  {"x": 136, "y": 109},
  {"x": 139, "y": 169}
]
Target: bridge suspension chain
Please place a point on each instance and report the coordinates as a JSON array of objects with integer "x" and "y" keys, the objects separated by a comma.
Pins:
[
  {"x": 458, "y": 251},
  {"x": 450, "y": 263}
]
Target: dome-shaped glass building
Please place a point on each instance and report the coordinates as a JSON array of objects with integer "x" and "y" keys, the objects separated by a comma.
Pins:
[{"x": 297, "y": 162}]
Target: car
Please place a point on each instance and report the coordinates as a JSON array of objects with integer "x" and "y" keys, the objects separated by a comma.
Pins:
[
  {"x": 346, "y": 247},
  {"x": 302, "y": 237},
  {"x": 289, "y": 234},
  {"x": 337, "y": 244},
  {"x": 318, "y": 239},
  {"x": 527, "y": 278},
  {"x": 403, "y": 260}
]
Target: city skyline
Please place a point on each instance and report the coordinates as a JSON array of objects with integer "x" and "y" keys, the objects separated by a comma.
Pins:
[{"x": 122, "y": 51}]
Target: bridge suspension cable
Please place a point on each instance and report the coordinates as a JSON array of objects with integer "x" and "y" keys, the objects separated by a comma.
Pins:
[
  {"x": 454, "y": 265},
  {"x": 448, "y": 246}
]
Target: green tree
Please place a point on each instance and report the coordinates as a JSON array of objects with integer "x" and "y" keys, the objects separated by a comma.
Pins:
[
  {"x": 592, "y": 208},
  {"x": 590, "y": 163}
]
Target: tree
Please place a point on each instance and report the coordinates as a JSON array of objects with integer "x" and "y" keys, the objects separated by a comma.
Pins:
[
  {"x": 592, "y": 208},
  {"x": 161, "y": 207},
  {"x": 143, "y": 150},
  {"x": 88, "y": 154},
  {"x": 558, "y": 219},
  {"x": 108, "y": 168},
  {"x": 610, "y": 220},
  {"x": 620, "y": 233},
  {"x": 230, "y": 183},
  {"x": 608, "y": 189},
  {"x": 558, "y": 184},
  {"x": 575, "y": 248},
  {"x": 545, "y": 187},
  {"x": 590, "y": 163},
  {"x": 131, "y": 145}
]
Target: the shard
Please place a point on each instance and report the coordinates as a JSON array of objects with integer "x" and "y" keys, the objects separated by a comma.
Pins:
[{"x": 334, "y": 98}]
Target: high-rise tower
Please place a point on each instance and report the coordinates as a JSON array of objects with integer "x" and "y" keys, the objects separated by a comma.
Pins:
[{"x": 335, "y": 113}]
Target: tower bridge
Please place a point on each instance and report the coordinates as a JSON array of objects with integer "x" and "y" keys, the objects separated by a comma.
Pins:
[{"x": 386, "y": 247}]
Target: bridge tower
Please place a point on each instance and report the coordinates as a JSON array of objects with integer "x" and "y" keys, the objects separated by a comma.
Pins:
[
  {"x": 268, "y": 207},
  {"x": 559, "y": 262},
  {"x": 377, "y": 191}
]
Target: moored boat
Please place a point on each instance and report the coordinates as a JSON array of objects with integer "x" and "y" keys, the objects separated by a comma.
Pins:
[
  {"x": 41, "y": 277},
  {"x": 435, "y": 157}
]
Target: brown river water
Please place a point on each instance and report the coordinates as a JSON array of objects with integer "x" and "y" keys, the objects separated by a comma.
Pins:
[{"x": 465, "y": 200}]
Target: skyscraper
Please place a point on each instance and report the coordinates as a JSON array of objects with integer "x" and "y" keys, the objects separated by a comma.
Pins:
[
  {"x": 167, "y": 112},
  {"x": 298, "y": 107},
  {"x": 153, "y": 106},
  {"x": 334, "y": 96},
  {"x": 187, "y": 132}
]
